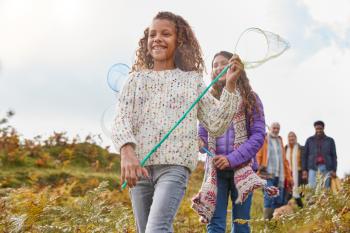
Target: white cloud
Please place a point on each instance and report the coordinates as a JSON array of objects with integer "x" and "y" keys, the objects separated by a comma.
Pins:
[
  {"x": 296, "y": 95},
  {"x": 334, "y": 14}
]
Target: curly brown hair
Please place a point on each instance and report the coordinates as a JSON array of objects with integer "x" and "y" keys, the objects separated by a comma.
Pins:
[
  {"x": 248, "y": 96},
  {"x": 188, "y": 54}
]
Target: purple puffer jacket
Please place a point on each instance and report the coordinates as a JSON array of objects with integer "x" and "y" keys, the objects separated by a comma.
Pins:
[{"x": 249, "y": 149}]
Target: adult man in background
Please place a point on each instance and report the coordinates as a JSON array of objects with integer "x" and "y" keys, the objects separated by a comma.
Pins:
[
  {"x": 274, "y": 167},
  {"x": 319, "y": 156}
]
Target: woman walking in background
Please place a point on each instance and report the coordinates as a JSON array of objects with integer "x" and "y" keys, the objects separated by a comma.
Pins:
[{"x": 294, "y": 152}]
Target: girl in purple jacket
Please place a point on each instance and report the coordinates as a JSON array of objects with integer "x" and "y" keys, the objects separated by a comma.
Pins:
[{"x": 227, "y": 157}]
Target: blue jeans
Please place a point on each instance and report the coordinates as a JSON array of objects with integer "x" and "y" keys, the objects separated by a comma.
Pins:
[
  {"x": 167, "y": 186},
  {"x": 226, "y": 187},
  {"x": 313, "y": 174},
  {"x": 274, "y": 202}
]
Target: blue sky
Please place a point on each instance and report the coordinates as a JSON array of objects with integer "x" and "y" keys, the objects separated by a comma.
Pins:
[{"x": 55, "y": 55}]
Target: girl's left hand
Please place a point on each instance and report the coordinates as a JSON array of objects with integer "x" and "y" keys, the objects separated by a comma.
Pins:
[
  {"x": 201, "y": 143},
  {"x": 221, "y": 162},
  {"x": 234, "y": 72}
]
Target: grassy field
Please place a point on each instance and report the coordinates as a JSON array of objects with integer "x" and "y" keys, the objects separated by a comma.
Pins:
[
  {"x": 70, "y": 185},
  {"x": 25, "y": 185},
  {"x": 83, "y": 200}
]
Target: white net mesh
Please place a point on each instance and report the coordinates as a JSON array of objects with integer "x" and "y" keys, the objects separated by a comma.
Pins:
[{"x": 256, "y": 46}]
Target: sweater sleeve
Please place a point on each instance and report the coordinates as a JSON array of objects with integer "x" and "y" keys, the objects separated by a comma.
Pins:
[
  {"x": 288, "y": 171},
  {"x": 122, "y": 131},
  {"x": 334, "y": 156},
  {"x": 252, "y": 145},
  {"x": 259, "y": 155},
  {"x": 216, "y": 115}
]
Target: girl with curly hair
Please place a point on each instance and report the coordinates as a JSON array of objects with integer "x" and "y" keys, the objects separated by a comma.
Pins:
[{"x": 166, "y": 79}]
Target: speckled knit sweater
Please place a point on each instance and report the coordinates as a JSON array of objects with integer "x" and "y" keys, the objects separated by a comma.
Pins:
[{"x": 150, "y": 104}]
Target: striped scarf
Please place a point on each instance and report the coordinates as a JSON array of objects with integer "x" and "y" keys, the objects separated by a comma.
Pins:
[{"x": 245, "y": 179}]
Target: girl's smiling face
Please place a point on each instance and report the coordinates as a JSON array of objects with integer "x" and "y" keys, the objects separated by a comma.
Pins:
[
  {"x": 162, "y": 43},
  {"x": 219, "y": 64}
]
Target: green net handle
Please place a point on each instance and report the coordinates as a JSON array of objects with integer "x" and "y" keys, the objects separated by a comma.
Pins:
[{"x": 144, "y": 160}]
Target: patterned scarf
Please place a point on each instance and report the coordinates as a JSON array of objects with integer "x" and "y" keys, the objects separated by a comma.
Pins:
[
  {"x": 293, "y": 153},
  {"x": 245, "y": 179}
]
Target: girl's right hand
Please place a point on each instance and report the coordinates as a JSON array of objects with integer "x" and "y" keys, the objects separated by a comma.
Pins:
[
  {"x": 234, "y": 72},
  {"x": 201, "y": 143},
  {"x": 131, "y": 170}
]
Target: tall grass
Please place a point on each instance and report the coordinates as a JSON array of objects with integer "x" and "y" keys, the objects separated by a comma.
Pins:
[{"x": 59, "y": 184}]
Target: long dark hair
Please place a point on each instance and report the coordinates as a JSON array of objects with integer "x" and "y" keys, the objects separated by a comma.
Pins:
[{"x": 248, "y": 96}]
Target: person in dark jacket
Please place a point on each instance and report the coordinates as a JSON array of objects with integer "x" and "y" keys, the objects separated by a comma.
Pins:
[
  {"x": 319, "y": 156},
  {"x": 227, "y": 158}
]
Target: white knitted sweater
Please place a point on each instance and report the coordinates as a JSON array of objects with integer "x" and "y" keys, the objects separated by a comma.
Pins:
[{"x": 150, "y": 104}]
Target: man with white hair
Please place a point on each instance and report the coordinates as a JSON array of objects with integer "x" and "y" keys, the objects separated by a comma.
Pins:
[{"x": 274, "y": 167}]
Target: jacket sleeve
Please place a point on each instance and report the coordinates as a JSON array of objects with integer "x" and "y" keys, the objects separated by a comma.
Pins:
[
  {"x": 287, "y": 166},
  {"x": 259, "y": 157},
  {"x": 288, "y": 170},
  {"x": 203, "y": 135},
  {"x": 122, "y": 131},
  {"x": 305, "y": 156},
  {"x": 252, "y": 145},
  {"x": 302, "y": 149},
  {"x": 260, "y": 154},
  {"x": 216, "y": 115},
  {"x": 334, "y": 156}
]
